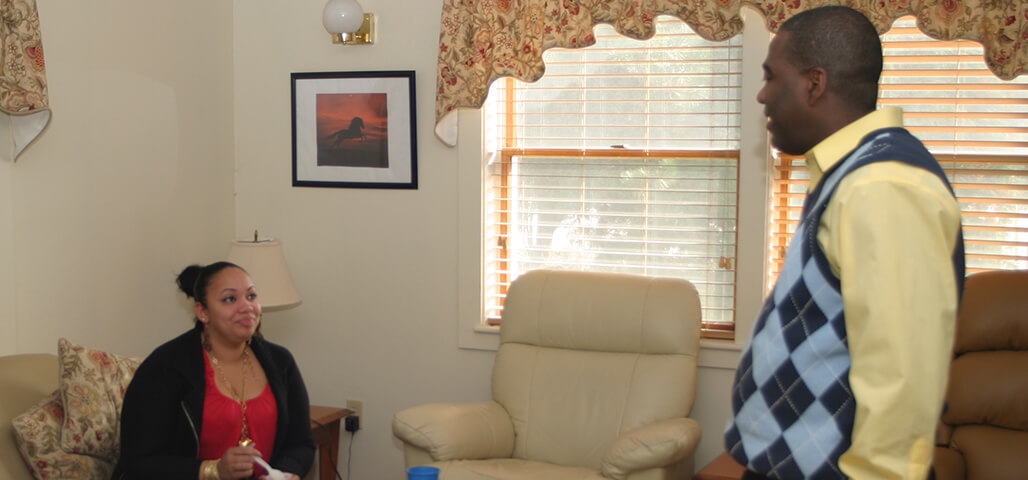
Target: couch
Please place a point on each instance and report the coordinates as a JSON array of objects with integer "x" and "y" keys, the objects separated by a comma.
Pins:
[
  {"x": 61, "y": 412},
  {"x": 24, "y": 380}
]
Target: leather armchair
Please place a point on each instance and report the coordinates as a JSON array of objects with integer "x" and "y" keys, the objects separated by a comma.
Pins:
[
  {"x": 984, "y": 432},
  {"x": 594, "y": 378}
]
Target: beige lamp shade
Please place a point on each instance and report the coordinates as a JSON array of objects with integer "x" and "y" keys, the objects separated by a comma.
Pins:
[{"x": 266, "y": 264}]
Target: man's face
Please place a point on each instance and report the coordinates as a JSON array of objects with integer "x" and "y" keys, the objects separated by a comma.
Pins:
[{"x": 785, "y": 101}]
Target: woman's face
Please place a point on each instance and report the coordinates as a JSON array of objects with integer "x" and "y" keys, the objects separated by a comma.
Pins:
[{"x": 232, "y": 312}]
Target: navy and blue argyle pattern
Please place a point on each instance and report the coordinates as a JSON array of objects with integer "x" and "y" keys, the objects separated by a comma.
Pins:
[{"x": 792, "y": 403}]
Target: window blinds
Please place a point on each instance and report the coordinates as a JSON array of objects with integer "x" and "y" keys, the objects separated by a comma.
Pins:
[{"x": 624, "y": 158}]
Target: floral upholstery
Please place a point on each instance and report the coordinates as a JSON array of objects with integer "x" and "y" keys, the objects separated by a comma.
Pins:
[
  {"x": 92, "y": 387},
  {"x": 36, "y": 432}
]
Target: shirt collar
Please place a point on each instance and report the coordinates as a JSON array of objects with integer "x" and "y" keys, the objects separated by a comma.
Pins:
[{"x": 834, "y": 149}]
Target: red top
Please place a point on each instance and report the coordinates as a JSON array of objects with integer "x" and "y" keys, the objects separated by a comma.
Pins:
[{"x": 223, "y": 420}]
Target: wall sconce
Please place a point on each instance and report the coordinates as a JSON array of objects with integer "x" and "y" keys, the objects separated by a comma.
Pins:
[
  {"x": 347, "y": 22},
  {"x": 265, "y": 262}
]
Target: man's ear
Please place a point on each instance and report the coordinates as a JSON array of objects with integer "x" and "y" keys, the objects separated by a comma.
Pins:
[{"x": 817, "y": 84}]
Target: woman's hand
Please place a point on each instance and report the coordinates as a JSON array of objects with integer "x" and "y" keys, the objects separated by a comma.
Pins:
[{"x": 237, "y": 462}]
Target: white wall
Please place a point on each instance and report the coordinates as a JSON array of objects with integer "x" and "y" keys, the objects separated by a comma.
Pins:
[
  {"x": 8, "y": 325},
  {"x": 171, "y": 136},
  {"x": 131, "y": 180},
  {"x": 378, "y": 269}
]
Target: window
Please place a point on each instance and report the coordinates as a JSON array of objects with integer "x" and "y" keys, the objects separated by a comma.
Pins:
[
  {"x": 976, "y": 126},
  {"x": 622, "y": 158}
]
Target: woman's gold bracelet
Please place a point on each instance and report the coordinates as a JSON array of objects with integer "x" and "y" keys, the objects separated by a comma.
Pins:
[{"x": 210, "y": 471}]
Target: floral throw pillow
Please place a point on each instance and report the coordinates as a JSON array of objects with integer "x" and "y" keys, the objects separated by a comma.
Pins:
[
  {"x": 92, "y": 388},
  {"x": 37, "y": 433}
]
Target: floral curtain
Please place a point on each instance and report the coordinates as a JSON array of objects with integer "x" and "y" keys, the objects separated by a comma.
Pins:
[
  {"x": 24, "y": 102},
  {"x": 482, "y": 40}
]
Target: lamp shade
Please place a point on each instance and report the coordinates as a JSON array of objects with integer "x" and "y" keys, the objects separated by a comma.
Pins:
[
  {"x": 266, "y": 264},
  {"x": 342, "y": 16}
]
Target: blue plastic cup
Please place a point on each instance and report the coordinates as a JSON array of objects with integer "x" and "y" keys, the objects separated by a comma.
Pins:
[{"x": 422, "y": 473}]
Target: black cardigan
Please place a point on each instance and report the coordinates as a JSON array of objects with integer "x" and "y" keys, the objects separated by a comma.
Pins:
[{"x": 163, "y": 411}]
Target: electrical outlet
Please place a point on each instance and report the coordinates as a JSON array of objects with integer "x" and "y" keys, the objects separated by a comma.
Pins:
[{"x": 357, "y": 406}]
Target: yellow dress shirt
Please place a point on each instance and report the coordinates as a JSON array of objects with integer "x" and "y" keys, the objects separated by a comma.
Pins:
[{"x": 889, "y": 232}]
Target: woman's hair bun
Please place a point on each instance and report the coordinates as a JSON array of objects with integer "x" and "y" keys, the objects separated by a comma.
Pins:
[{"x": 187, "y": 280}]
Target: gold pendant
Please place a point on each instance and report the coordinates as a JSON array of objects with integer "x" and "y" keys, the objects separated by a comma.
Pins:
[{"x": 245, "y": 442}]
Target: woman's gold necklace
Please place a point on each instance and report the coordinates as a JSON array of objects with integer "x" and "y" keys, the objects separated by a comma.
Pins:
[{"x": 244, "y": 435}]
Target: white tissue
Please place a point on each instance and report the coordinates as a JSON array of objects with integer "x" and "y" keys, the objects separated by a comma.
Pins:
[{"x": 272, "y": 473}]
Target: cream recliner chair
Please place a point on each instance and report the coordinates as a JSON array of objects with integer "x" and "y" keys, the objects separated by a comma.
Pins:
[{"x": 594, "y": 379}]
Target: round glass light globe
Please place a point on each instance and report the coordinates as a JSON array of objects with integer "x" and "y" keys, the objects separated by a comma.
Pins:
[{"x": 342, "y": 16}]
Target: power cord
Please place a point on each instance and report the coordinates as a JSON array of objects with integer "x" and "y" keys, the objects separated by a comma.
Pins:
[
  {"x": 349, "y": 454},
  {"x": 351, "y": 424}
]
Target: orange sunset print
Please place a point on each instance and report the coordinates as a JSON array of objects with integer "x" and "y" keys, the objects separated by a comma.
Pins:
[{"x": 352, "y": 130}]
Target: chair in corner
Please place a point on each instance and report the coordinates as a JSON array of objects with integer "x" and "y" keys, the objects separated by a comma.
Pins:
[
  {"x": 984, "y": 432},
  {"x": 594, "y": 378}
]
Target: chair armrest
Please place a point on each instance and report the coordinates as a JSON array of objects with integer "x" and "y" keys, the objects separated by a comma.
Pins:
[
  {"x": 453, "y": 431},
  {"x": 651, "y": 446},
  {"x": 949, "y": 464}
]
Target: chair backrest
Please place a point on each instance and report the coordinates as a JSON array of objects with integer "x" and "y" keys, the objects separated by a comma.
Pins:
[
  {"x": 987, "y": 396},
  {"x": 585, "y": 357}
]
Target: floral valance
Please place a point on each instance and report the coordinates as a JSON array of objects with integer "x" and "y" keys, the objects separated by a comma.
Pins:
[
  {"x": 482, "y": 40},
  {"x": 24, "y": 102}
]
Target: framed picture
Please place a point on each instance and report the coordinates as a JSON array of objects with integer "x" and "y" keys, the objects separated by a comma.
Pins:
[{"x": 354, "y": 130}]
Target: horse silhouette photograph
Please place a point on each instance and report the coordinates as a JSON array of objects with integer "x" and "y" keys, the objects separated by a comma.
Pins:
[
  {"x": 352, "y": 130},
  {"x": 355, "y": 131}
]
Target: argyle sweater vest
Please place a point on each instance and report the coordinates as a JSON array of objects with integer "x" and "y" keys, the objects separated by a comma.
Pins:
[{"x": 792, "y": 403}]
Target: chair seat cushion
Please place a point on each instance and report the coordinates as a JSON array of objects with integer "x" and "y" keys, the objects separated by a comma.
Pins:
[
  {"x": 512, "y": 469},
  {"x": 992, "y": 453}
]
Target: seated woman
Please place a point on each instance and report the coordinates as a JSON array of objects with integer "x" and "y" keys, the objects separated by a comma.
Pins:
[{"x": 203, "y": 405}]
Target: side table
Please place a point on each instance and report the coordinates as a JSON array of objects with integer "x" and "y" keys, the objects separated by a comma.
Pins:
[
  {"x": 325, "y": 428},
  {"x": 724, "y": 467}
]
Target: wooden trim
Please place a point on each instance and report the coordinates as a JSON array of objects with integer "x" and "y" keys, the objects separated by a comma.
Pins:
[{"x": 617, "y": 153}]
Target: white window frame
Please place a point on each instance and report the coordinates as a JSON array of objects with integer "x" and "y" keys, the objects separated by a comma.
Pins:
[{"x": 752, "y": 219}]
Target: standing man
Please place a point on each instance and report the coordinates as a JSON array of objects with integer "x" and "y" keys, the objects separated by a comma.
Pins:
[{"x": 845, "y": 374}]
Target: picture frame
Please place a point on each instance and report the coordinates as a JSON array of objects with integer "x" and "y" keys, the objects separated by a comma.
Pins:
[{"x": 354, "y": 129}]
